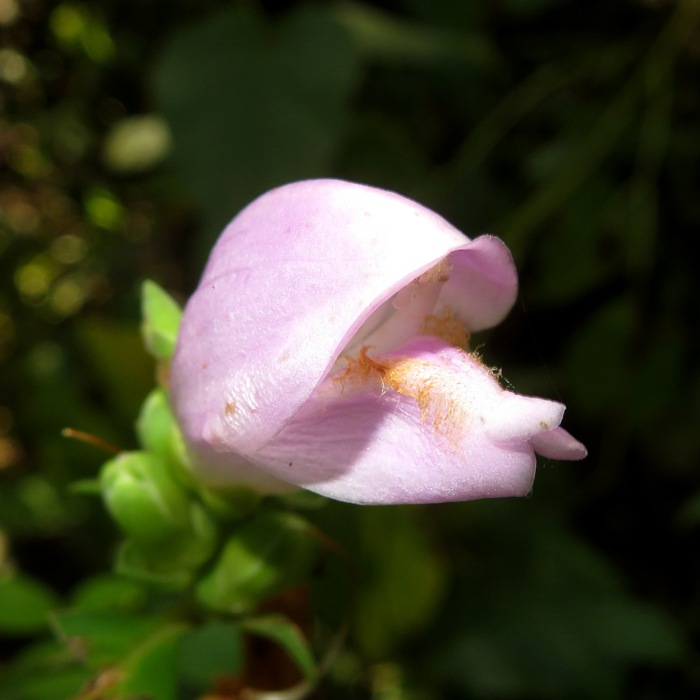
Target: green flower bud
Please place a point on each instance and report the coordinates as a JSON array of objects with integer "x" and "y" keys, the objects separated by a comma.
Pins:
[
  {"x": 141, "y": 495},
  {"x": 267, "y": 554},
  {"x": 161, "y": 320}
]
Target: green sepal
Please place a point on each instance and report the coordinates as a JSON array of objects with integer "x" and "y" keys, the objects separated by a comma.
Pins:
[
  {"x": 173, "y": 561},
  {"x": 155, "y": 423},
  {"x": 140, "y": 563},
  {"x": 160, "y": 320},
  {"x": 267, "y": 554},
  {"x": 158, "y": 432}
]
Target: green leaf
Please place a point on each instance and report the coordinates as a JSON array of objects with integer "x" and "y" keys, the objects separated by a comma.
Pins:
[
  {"x": 486, "y": 669},
  {"x": 47, "y": 670},
  {"x": 151, "y": 669},
  {"x": 288, "y": 636},
  {"x": 109, "y": 592},
  {"x": 106, "y": 636},
  {"x": 126, "y": 656},
  {"x": 25, "y": 605},
  {"x": 49, "y": 684},
  {"x": 160, "y": 320},
  {"x": 210, "y": 651}
]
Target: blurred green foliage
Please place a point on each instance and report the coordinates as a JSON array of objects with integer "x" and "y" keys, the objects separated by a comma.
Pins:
[{"x": 131, "y": 132}]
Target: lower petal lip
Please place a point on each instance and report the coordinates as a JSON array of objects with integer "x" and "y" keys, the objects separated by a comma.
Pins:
[
  {"x": 366, "y": 438},
  {"x": 371, "y": 450}
]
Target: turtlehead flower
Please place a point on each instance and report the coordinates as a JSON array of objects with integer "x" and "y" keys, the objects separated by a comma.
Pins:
[{"x": 327, "y": 347}]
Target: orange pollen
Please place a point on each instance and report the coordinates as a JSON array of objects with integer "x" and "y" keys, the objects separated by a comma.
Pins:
[
  {"x": 446, "y": 326},
  {"x": 437, "y": 273},
  {"x": 419, "y": 380}
]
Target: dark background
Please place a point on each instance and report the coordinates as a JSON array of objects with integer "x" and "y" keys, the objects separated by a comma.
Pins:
[{"x": 131, "y": 131}]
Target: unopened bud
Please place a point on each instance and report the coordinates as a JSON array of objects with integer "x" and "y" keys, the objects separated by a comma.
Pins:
[{"x": 143, "y": 497}]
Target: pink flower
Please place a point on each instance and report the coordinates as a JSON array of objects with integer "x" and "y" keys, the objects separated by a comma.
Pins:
[{"x": 325, "y": 348}]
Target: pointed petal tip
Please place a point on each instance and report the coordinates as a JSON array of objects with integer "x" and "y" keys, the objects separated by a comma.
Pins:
[{"x": 559, "y": 444}]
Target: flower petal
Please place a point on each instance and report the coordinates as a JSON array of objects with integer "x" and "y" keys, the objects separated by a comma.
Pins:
[
  {"x": 289, "y": 282},
  {"x": 558, "y": 444},
  {"x": 517, "y": 417},
  {"x": 483, "y": 285}
]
